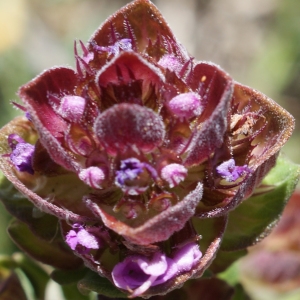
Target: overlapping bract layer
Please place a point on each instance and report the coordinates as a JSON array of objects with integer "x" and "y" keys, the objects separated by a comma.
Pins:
[{"x": 135, "y": 144}]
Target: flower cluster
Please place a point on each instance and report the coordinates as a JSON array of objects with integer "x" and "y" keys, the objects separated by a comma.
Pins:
[{"x": 141, "y": 152}]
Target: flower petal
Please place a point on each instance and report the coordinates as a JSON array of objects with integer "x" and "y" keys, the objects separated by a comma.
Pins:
[
  {"x": 156, "y": 229},
  {"x": 187, "y": 256},
  {"x": 217, "y": 92},
  {"x": 35, "y": 94},
  {"x": 142, "y": 23},
  {"x": 126, "y": 67},
  {"x": 279, "y": 124}
]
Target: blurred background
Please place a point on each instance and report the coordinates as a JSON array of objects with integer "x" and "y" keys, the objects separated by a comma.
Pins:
[{"x": 256, "y": 41}]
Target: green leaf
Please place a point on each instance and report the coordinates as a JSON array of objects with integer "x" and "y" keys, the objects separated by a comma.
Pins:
[
  {"x": 94, "y": 282},
  {"x": 209, "y": 230},
  {"x": 231, "y": 275},
  {"x": 71, "y": 292},
  {"x": 225, "y": 259},
  {"x": 254, "y": 218},
  {"x": 239, "y": 293},
  {"x": 35, "y": 274},
  {"x": 7, "y": 262},
  {"x": 43, "y": 225},
  {"x": 54, "y": 253},
  {"x": 64, "y": 277}
]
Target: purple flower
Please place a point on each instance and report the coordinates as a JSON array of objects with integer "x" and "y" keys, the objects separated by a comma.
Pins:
[
  {"x": 187, "y": 257},
  {"x": 133, "y": 176},
  {"x": 173, "y": 174},
  {"x": 230, "y": 172},
  {"x": 121, "y": 45},
  {"x": 170, "y": 62},
  {"x": 92, "y": 176},
  {"x": 81, "y": 236},
  {"x": 21, "y": 155},
  {"x": 138, "y": 273},
  {"x": 72, "y": 108},
  {"x": 186, "y": 105}
]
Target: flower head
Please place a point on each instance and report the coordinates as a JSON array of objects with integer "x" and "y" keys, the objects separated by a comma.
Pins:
[{"x": 144, "y": 149}]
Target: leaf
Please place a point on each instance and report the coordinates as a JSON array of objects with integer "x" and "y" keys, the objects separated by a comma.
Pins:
[
  {"x": 35, "y": 274},
  {"x": 253, "y": 219},
  {"x": 201, "y": 289},
  {"x": 231, "y": 275},
  {"x": 35, "y": 95},
  {"x": 43, "y": 225},
  {"x": 94, "y": 282},
  {"x": 54, "y": 253},
  {"x": 71, "y": 292},
  {"x": 155, "y": 229},
  {"x": 214, "y": 119},
  {"x": 66, "y": 277},
  {"x": 239, "y": 293},
  {"x": 143, "y": 24},
  {"x": 225, "y": 259}
]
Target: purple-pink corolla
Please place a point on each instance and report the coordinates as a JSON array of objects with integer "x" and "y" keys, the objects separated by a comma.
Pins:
[
  {"x": 138, "y": 273},
  {"x": 230, "y": 172},
  {"x": 21, "y": 154},
  {"x": 79, "y": 236},
  {"x": 141, "y": 152}
]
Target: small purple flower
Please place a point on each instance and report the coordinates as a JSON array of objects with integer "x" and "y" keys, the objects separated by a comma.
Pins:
[
  {"x": 92, "y": 176},
  {"x": 170, "y": 62},
  {"x": 121, "y": 45},
  {"x": 230, "y": 172},
  {"x": 129, "y": 170},
  {"x": 132, "y": 175},
  {"x": 80, "y": 236},
  {"x": 173, "y": 174},
  {"x": 21, "y": 155},
  {"x": 72, "y": 108},
  {"x": 139, "y": 273},
  {"x": 187, "y": 257},
  {"x": 186, "y": 105}
]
